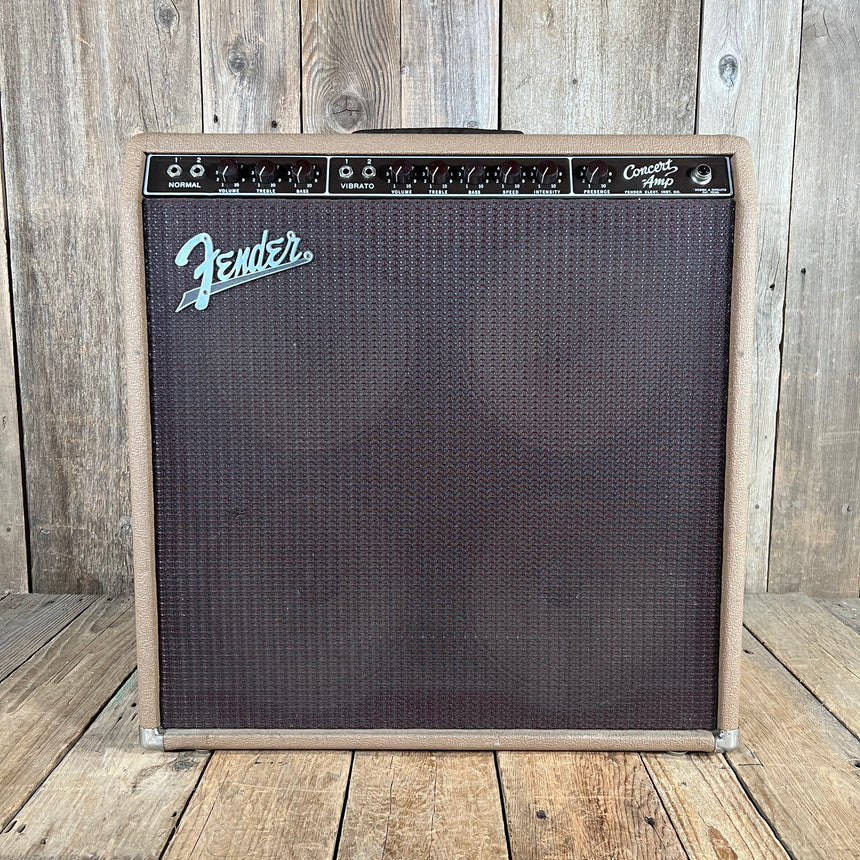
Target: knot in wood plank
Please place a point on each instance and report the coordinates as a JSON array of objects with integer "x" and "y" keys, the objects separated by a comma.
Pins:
[
  {"x": 348, "y": 111},
  {"x": 240, "y": 58},
  {"x": 166, "y": 15},
  {"x": 728, "y": 69}
]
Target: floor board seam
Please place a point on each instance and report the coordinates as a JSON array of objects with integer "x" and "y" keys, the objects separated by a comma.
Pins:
[
  {"x": 181, "y": 814},
  {"x": 663, "y": 805},
  {"x": 502, "y": 804},
  {"x": 343, "y": 807},
  {"x": 4, "y": 825},
  {"x": 759, "y": 810},
  {"x": 763, "y": 643},
  {"x": 57, "y": 632}
]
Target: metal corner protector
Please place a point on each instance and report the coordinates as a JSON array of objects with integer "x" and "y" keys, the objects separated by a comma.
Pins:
[
  {"x": 152, "y": 739},
  {"x": 727, "y": 740}
]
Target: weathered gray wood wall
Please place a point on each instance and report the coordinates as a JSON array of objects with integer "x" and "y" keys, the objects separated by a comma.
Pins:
[{"x": 77, "y": 78}]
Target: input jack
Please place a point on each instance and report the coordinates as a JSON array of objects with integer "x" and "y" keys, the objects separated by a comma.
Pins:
[
  {"x": 197, "y": 170},
  {"x": 368, "y": 171},
  {"x": 345, "y": 172},
  {"x": 701, "y": 174},
  {"x": 174, "y": 170}
]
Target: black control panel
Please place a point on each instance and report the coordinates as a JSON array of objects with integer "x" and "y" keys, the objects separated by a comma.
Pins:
[
  {"x": 205, "y": 175},
  {"x": 435, "y": 176},
  {"x": 660, "y": 175}
]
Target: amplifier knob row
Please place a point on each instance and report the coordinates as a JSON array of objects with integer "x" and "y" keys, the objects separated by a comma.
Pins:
[
  {"x": 265, "y": 170},
  {"x": 438, "y": 173},
  {"x": 229, "y": 172}
]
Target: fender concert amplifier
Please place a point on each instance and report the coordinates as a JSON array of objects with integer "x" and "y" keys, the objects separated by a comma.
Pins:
[{"x": 439, "y": 441}]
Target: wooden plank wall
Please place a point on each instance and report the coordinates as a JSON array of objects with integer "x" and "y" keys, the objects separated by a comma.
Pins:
[
  {"x": 816, "y": 497},
  {"x": 13, "y": 545},
  {"x": 77, "y": 78}
]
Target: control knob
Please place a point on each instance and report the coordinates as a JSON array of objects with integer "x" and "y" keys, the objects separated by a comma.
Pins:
[
  {"x": 265, "y": 170},
  {"x": 401, "y": 172},
  {"x": 475, "y": 174},
  {"x": 303, "y": 172},
  {"x": 511, "y": 172},
  {"x": 547, "y": 173},
  {"x": 228, "y": 169},
  {"x": 438, "y": 172},
  {"x": 596, "y": 173}
]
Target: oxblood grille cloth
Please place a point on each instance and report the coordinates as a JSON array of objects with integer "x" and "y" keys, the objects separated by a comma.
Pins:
[{"x": 462, "y": 470}]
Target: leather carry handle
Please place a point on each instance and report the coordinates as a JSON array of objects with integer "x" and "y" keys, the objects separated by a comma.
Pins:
[{"x": 436, "y": 131}]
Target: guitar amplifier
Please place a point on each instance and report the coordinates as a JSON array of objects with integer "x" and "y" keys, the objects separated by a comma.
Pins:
[{"x": 439, "y": 441}]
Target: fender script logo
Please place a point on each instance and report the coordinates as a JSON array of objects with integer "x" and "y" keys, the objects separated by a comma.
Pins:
[{"x": 221, "y": 270}]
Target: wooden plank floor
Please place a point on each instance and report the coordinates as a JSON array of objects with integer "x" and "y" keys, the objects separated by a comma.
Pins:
[{"x": 75, "y": 784}]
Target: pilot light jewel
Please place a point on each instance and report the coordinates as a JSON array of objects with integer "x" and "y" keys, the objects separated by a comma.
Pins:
[{"x": 221, "y": 270}]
